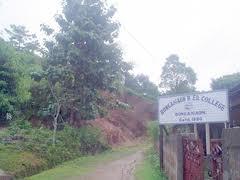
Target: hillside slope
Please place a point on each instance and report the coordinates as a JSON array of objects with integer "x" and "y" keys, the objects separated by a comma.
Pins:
[
  {"x": 121, "y": 124},
  {"x": 124, "y": 125}
]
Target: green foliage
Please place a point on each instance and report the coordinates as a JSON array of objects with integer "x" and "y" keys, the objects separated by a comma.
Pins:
[
  {"x": 20, "y": 163},
  {"x": 21, "y": 39},
  {"x": 79, "y": 61},
  {"x": 70, "y": 143},
  {"x": 122, "y": 105},
  {"x": 153, "y": 130},
  {"x": 92, "y": 140},
  {"x": 40, "y": 102},
  {"x": 150, "y": 167},
  {"x": 79, "y": 167},
  {"x": 25, "y": 64},
  {"x": 15, "y": 80},
  {"x": 19, "y": 127},
  {"x": 83, "y": 58},
  {"x": 33, "y": 146},
  {"x": 153, "y": 157},
  {"x": 176, "y": 77},
  {"x": 131, "y": 92},
  {"x": 141, "y": 85},
  {"x": 226, "y": 81},
  {"x": 8, "y": 82}
]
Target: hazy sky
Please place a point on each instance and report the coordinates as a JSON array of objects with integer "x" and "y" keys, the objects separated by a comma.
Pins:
[{"x": 204, "y": 33}]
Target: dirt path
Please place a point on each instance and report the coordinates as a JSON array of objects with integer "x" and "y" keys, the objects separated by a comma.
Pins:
[{"x": 122, "y": 169}]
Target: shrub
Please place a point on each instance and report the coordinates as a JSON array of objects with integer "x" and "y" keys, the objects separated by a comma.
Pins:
[
  {"x": 38, "y": 141},
  {"x": 19, "y": 127},
  {"x": 20, "y": 163},
  {"x": 92, "y": 140},
  {"x": 150, "y": 167},
  {"x": 69, "y": 137},
  {"x": 36, "y": 151},
  {"x": 58, "y": 154},
  {"x": 153, "y": 157},
  {"x": 153, "y": 130}
]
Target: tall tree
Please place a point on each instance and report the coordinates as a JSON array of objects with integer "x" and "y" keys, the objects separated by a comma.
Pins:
[
  {"x": 22, "y": 39},
  {"x": 226, "y": 81},
  {"x": 176, "y": 77},
  {"x": 84, "y": 58}
]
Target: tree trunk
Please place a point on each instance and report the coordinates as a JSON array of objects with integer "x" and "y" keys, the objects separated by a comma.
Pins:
[{"x": 55, "y": 123}]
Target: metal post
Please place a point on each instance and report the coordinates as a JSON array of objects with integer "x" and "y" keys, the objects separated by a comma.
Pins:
[
  {"x": 207, "y": 129},
  {"x": 195, "y": 131},
  {"x": 161, "y": 146}
]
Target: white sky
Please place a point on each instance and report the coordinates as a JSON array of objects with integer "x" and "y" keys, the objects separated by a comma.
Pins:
[{"x": 204, "y": 33}]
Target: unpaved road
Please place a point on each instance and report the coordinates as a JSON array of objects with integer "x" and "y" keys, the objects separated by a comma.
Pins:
[{"x": 122, "y": 169}]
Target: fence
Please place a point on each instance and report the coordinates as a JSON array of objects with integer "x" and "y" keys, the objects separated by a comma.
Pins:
[
  {"x": 183, "y": 157},
  {"x": 231, "y": 154},
  {"x": 193, "y": 159},
  {"x": 173, "y": 157}
]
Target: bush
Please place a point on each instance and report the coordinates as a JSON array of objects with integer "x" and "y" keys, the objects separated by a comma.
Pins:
[
  {"x": 153, "y": 157},
  {"x": 38, "y": 141},
  {"x": 70, "y": 143},
  {"x": 150, "y": 167},
  {"x": 153, "y": 130},
  {"x": 58, "y": 154},
  {"x": 35, "y": 149},
  {"x": 92, "y": 140},
  {"x": 19, "y": 127},
  {"x": 19, "y": 163}
]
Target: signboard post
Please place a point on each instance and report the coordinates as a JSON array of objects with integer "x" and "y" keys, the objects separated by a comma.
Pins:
[
  {"x": 195, "y": 108},
  {"x": 207, "y": 129},
  {"x": 195, "y": 131}
]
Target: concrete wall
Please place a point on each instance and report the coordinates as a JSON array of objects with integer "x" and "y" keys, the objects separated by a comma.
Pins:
[
  {"x": 231, "y": 154},
  {"x": 173, "y": 157},
  {"x": 6, "y": 177}
]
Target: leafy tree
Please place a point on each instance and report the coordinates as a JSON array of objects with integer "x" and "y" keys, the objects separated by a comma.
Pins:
[
  {"x": 15, "y": 78},
  {"x": 83, "y": 58},
  {"x": 142, "y": 85},
  {"x": 22, "y": 39},
  {"x": 226, "y": 81},
  {"x": 147, "y": 87},
  {"x": 176, "y": 77},
  {"x": 8, "y": 82}
]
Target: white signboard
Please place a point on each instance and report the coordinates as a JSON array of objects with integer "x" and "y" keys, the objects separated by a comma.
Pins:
[{"x": 206, "y": 107}]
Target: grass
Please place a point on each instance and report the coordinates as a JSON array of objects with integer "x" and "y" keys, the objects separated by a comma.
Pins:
[
  {"x": 3, "y": 132},
  {"x": 25, "y": 151},
  {"x": 145, "y": 172},
  {"x": 148, "y": 169},
  {"x": 19, "y": 163},
  {"x": 82, "y": 165}
]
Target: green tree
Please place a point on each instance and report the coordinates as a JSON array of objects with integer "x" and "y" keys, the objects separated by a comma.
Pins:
[
  {"x": 176, "y": 77},
  {"x": 83, "y": 58},
  {"x": 16, "y": 68},
  {"x": 21, "y": 39},
  {"x": 147, "y": 87},
  {"x": 226, "y": 81},
  {"x": 141, "y": 84},
  {"x": 8, "y": 82}
]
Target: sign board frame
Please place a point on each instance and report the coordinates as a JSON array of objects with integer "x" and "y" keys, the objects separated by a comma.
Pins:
[{"x": 191, "y": 94}]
